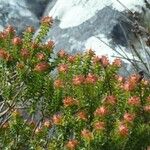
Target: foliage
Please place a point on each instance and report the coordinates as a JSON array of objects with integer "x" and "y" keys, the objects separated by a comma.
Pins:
[{"x": 68, "y": 102}]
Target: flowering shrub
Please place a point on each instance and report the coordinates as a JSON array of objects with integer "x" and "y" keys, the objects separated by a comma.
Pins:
[{"x": 71, "y": 102}]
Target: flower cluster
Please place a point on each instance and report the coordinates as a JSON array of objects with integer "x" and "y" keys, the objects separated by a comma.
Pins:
[{"x": 69, "y": 102}]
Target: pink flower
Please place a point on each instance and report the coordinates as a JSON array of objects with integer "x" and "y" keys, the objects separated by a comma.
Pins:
[
  {"x": 62, "y": 53},
  {"x": 78, "y": 80},
  {"x": 134, "y": 78},
  {"x": 50, "y": 44},
  {"x": 47, "y": 20},
  {"x": 91, "y": 79},
  {"x": 25, "y": 53},
  {"x": 5, "y": 55},
  {"x": 99, "y": 125},
  {"x": 40, "y": 56},
  {"x": 101, "y": 111},
  {"x": 17, "y": 41},
  {"x": 147, "y": 108},
  {"x": 72, "y": 144},
  {"x": 58, "y": 83},
  {"x": 104, "y": 61},
  {"x": 120, "y": 79},
  {"x": 71, "y": 59},
  {"x": 69, "y": 101},
  {"x": 123, "y": 130},
  {"x": 57, "y": 119},
  {"x": 129, "y": 86},
  {"x": 42, "y": 67},
  {"x": 82, "y": 115},
  {"x": 9, "y": 30},
  {"x": 134, "y": 101},
  {"x": 117, "y": 62},
  {"x": 128, "y": 117},
  {"x": 111, "y": 100},
  {"x": 86, "y": 134},
  {"x": 63, "y": 68}
]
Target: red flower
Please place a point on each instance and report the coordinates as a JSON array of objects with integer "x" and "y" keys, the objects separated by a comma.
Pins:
[
  {"x": 50, "y": 44},
  {"x": 34, "y": 45},
  {"x": 63, "y": 68},
  {"x": 47, "y": 21},
  {"x": 91, "y": 78},
  {"x": 57, "y": 119},
  {"x": 134, "y": 78},
  {"x": 104, "y": 61},
  {"x": 120, "y": 79},
  {"x": 99, "y": 125},
  {"x": 62, "y": 53},
  {"x": 72, "y": 144},
  {"x": 71, "y": 59},
  {"x": 47, "y": 124},
  {"x": 96, "y": 59},
  {"x": 111, "y": 100},
  {"x": 5, "y": 55},
  {"x": 17, "y": 41},
  {"x": 78, "y": 80},
  {"x": 9, "y": 30},
  {"x": 128, "y": 117},
  {"x": 86, "y": 134},
  {"x": 42, "y": 67},
  {"x": 117, "y": 62},
  {"x": 69, "y": 101},
  {"x": 58, "y": 83},
  {"x": 40, "y": 56},
  {"x": 134, "y": 101},
  {"x": 101, "y": 111},
  {"x": 25, "y": 53},
  {"x": 123, "y": 130},
  {"x": 82, "y": 115},
  {"x": 147, "y": 108},
  {"x": 3, "y": 35},
  {"x": 129, "y": 86}
]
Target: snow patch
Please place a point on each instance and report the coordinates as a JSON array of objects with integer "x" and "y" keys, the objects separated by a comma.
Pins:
[
  {"x": 100, "y": 45},
  {"x": 74, "y": 12}
]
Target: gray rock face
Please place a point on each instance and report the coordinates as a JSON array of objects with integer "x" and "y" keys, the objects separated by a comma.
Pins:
[
  {"x": 37, "y": 7},
  {"x": 106, "y": 22},
  {"x": 16, "y": 13}
]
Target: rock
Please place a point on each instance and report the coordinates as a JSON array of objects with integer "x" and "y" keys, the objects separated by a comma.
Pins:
[
  {"x": 37, "y": 7},
  {"x": 16, "y": 13}
]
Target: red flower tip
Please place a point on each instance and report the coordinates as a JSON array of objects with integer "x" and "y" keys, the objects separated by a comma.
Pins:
[
  {"x": 134, "y": 101},
  {"x": 63, "y": 68},
  {"x": 69, "y": 101},
  {"x": 72, "y": 144},
  {"x": 17, "y": 41},
  {"x": 78, "y": 79},
  {"x": 86, "y": 134},
  {"x": 42, "y": 67},
  {"x": 101, "y": 111}
]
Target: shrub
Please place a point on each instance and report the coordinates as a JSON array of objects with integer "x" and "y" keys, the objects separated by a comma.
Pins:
[{"x": 70, "y": 101}]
